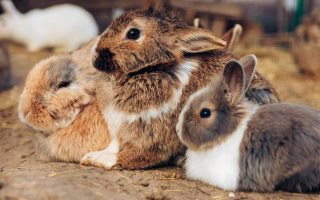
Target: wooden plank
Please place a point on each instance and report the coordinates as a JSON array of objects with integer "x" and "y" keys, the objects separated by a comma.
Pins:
[
  {"x": 222, "y": 9},
  {"x": 189, "y": 16},
  {"x": 89, "y": 5},
  {"x": 218, "y": 26}
]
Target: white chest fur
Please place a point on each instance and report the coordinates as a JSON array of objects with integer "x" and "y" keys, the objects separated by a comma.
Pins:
[
  {"x": 115, "y": 118},
  {"x": 219, "y": 166}
]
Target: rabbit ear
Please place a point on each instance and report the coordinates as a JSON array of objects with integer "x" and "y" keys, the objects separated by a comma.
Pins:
[
  {"x": 248, "y": 64},
  {"x": 9, "y": 7},
  {"x": 233, "y": 81},
  {"x": 196, "y": 23},
  {"x": 196, "y": 40},
  {"x": 232, "y": 36},
  {"x": 156, "y": 7}
]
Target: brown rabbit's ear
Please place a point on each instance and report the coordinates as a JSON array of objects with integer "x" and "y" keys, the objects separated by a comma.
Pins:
[
  {"x": 233, "y": 81},
  {"x": 156, "y": 7},
  {"x": 248, "y": 64},
  {"x": 232, "y": 36},
  {"x": 196, "y": 40}
]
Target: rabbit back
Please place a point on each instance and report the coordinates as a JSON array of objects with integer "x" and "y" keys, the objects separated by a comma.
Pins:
[
  {"x": 281, "y": 144},
  {"x": 66, "y": 26}
]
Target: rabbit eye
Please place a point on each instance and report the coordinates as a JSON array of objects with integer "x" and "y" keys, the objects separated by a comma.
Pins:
[
  {"x": 64, "y": 84},
  {"x": 133, "y": 34},
  {"x": 205, "y": 113}
]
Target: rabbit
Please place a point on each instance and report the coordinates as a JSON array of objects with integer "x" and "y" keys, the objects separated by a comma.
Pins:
[
  {"x": 64, "y": 27},
  {"x": 59, "y": 102},
  {"x": 155, "y": 62},
  {"x": 5, "y": 69},
  {"x": 237, "y": 145}
]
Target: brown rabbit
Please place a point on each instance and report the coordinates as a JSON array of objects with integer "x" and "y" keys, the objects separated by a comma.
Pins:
[
  {"x": 59, "y": 101},
  {"x": 5, "y": 71},
  {"x": 236, "y": 145},
  {"x": 155, "y": 62}
]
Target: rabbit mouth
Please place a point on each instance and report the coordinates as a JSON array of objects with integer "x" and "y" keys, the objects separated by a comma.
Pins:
[
  {"x": 103, "y": 61},
  {"x": 167, "y": 68}
]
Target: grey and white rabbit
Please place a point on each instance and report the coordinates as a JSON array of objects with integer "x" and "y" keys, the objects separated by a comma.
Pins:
[{"x": 236, "y": 145}]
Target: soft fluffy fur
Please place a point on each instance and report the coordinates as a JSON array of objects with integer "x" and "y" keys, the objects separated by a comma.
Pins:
[
  {"x": 274, "y": 146},
  {"x": 152, "y": 77},
  {"x": 67, "y": 116},
  {"x": 64, "y": 27},
  {"x": 281, "y": 150},
  {"x": 219, "y": 165}
]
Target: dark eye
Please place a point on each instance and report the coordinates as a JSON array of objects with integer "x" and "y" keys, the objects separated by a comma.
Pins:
[
  {"x": 205, "y": 113},
  {"x": 63, "y": 84},
  {"x": 133, "y": 34}
]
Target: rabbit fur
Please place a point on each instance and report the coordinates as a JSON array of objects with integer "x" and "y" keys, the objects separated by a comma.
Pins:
[
  {"x": 63, "y": 27},
  {"x": 155, "y": 62},
  {"x": 59, "y": 102}
]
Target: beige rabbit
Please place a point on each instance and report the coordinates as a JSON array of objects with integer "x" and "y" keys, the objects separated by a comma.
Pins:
[
  {"x": 59, "y": 101},
  {"x": 155, "y": 62}
]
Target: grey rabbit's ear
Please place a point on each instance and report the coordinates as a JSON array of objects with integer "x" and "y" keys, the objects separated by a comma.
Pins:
[
  {"x": 233, "y": 81},
  {"x": 196, "y": 40},
  {"x": 9, "y": 7},
  {"x": 248, "y": 63}
]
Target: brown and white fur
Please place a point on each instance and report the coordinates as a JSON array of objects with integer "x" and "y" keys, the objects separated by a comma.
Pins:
[
  {"x": 59, "y": 101},
  {"x": 155, "y": 62},
  {"x": 236, "y": 145}
]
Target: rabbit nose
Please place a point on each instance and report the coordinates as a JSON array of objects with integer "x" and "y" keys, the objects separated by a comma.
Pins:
[{"x": 103, "y": 60}]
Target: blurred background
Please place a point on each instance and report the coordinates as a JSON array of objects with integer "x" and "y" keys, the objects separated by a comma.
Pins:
[
  {"x": 284, "y": 34},
  {"x": 273, "y": 16}
]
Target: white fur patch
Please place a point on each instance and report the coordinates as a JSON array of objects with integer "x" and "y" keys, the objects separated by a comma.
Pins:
[
  {"x": 116, "y": 117},
  {"x": 219, "y": 166},
  {"x": 106, "y": 158}
]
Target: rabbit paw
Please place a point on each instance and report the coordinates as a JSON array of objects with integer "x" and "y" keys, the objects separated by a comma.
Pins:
[{"x": 101, "y": 159}]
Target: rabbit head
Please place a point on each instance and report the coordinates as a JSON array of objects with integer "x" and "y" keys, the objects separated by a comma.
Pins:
[
  {"x": 53, "y": 95},
  {"x": 148, "y": 38},
  {"x": 8, "y": 20},
  {"x": 212, "y": 113}
]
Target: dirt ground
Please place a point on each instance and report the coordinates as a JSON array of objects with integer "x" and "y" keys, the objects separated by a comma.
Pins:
[{"x": 23, "y": 176}]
